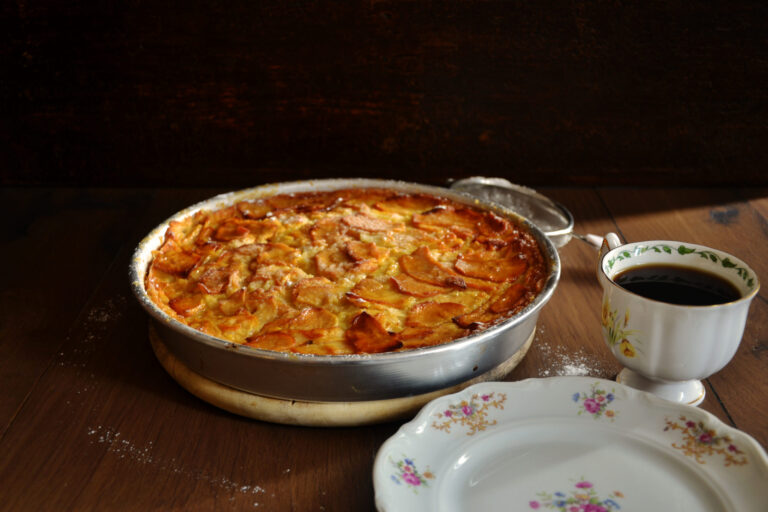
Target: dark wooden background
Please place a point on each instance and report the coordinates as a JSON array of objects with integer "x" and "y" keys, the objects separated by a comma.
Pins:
[{"x": 237, "y": 93}]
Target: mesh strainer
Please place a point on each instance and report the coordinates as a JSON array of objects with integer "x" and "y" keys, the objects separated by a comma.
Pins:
[{"x": 551, "y": 217}]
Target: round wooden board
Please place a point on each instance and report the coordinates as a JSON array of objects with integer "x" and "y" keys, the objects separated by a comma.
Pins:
[{"x": 312, "y": 414}]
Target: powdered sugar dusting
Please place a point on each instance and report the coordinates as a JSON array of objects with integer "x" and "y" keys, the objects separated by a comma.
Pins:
[
  {"x": 125, "y": 449},
  {"x": 560, "y": 361},
  {"x": 110, "y": 309},
  {"x": 96, "y": 325}
]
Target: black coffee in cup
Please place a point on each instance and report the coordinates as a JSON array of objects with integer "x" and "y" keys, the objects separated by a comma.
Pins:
[{"x": 675, "y": 284}]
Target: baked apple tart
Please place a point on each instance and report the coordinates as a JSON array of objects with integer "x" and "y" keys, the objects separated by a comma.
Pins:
[{"x": 344, "y": 272}]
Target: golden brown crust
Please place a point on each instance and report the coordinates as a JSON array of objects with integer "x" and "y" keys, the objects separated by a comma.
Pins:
[{"x": 349, "y": 271}]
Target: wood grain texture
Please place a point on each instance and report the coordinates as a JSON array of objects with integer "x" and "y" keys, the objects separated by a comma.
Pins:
[
  {"x": 44, "y": 286},
  {"x": 101, "y": 426},
  {"x": 244, "y": 93}
]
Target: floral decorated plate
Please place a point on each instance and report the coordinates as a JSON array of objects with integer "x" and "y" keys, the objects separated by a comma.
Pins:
[{"x": 568, "y": 444}]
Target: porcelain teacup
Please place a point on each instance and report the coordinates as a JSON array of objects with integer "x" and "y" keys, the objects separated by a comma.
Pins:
[{"x": 668, "y": 348}]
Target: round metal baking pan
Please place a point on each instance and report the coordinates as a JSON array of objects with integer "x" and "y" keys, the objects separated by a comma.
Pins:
[{"x": 357, "y": 377}]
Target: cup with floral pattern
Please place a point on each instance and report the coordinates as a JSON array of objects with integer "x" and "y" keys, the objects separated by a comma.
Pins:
[{"x": 668, "y": 348}]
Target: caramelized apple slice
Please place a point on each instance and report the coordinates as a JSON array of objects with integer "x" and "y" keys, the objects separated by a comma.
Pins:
[
  {"x": 370, "y": 197},
  {"x": 422, "y": 266},
  {"x": 315, "y": 291},
  {"x": 249, "y": 251},
  {"x": 331, "y": 342},
  {"x": 263, "y": 230},
  {"x": 474, "y": 320},
  {"x": 365, "y": 267},
  {"x": 214, "y": 219},
  {"x": 187, "y": 305},
  {"x": 446, "y": 241},
  {"x": 253, "y": 209},
  {"x": 235, "y": 327},
  {"x": 172, "y": 259},
  {"x": 416, "y": 337},
  {"x": 462, "y": 221},
  {"x": 328, "y": 231},
  {"x": 209, "y": 221},
  {"x": 495, "y": 229},
  {"x": 373, "y": 290},
  {"x": 372, "y": 224},
  {"x": 508, "y": 299},
  {"x": 480, "y": 284},
  {"x": 263, "y": 305},
  {"x": 266, "y": 276},
  {"x": 214, "y": 280},
  {"x": 209, "y": 249},
  {"x": 407, "y": 240},
  {"x": 278, "y": 254},
  {"x": 234, "y": 304},
  {"x": 310, "y": 319},
  {"x": 366, "y": 256},
  {"x": 491, "y": 265},
  {"x": 180, "y": 231},
  {"x": 272, "y": 341},
  {"x": 332, "y": 263},
  {"x": 361, "y": 251},
  {"x": 509, "y": 302},
  {"x": 368, "y": 336},
  {"x": 410, "y": 336},
  {"x": 218, "y": 216},
  {"x": 411, "y": 286},
  {"x": 230, "y": 230},
  {"x": 431, "y": 314},
  {"x": 279, "y": 323}
]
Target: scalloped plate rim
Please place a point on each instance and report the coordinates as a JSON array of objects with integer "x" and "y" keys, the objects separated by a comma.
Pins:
[{"x": 635, "y": 398}]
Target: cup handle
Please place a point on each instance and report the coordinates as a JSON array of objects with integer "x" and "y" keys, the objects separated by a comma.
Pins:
[{"x": 610, "y": 241}]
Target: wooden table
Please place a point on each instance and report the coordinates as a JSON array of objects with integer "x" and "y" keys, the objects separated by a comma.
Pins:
[{"x": 90, "y": 420}]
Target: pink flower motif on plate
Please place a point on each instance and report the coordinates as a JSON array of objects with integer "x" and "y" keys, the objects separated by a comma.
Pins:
[
  {"x": 407, "y": 473},
  {"x": 596, "y": 402},
  {"x": 584, "y": 498}
]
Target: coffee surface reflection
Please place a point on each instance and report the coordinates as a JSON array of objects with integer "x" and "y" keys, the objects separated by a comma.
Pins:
[{"x": 676, "y": 284}]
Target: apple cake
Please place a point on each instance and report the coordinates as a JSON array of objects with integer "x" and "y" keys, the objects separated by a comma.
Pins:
[{"x": 344, "y": 272}]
